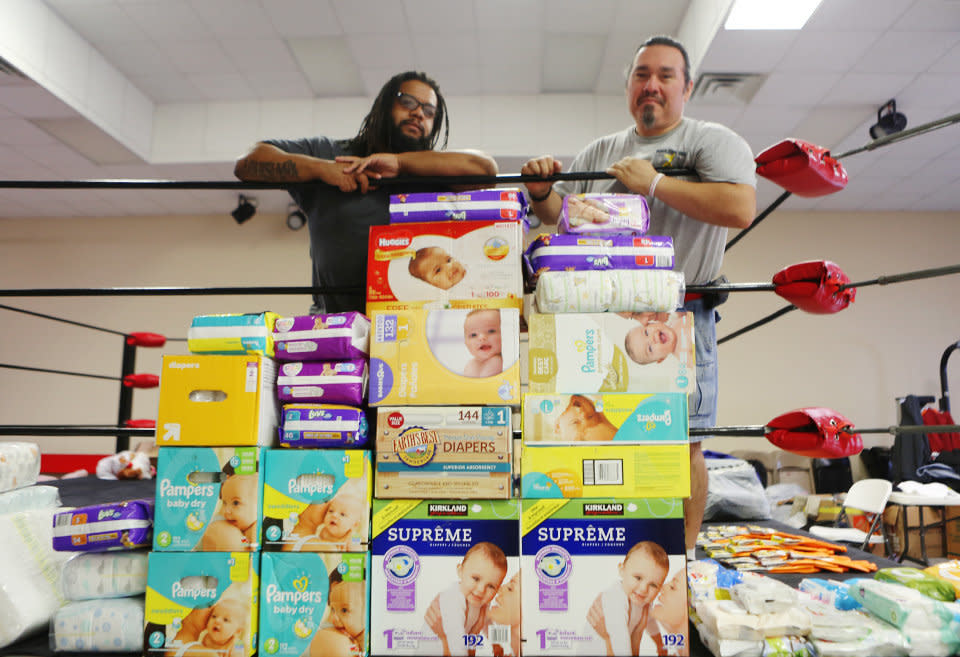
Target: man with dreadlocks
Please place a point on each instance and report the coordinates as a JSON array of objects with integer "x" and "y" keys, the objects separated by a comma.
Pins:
[{"x": 397, "y": 137}]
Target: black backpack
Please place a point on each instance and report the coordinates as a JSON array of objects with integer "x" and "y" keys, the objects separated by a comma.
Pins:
[{"x": 910, "y": 450}]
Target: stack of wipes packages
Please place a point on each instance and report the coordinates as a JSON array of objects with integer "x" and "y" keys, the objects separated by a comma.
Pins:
[{"x": 104, "y": 583}]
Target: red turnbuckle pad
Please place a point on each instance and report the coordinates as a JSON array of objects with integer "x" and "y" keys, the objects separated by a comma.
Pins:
[
  {"x": 815, "y": 432},
  {"x": 802, "y": 168},
  {"x": 815, "y": 287},
  {"x": 141, "y": 339},
  {"x": 141, "y": 380}
]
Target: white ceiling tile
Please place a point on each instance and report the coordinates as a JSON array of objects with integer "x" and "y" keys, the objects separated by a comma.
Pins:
[
  {"x": 260, "y": 55},
  {"x": 938, "y": 91},
  {"x": 171, "y": 88},
  {"x": 949, "y": 63},
  {"x": 845, "y": 15},
  {"x": 826, "y": 51},
  {"x": 104, "y": 90},
  {"x": 34, "y": 102},
  {"x": 727, "y": 115},
  {"x": 97, "y": 21},
  {"x": 459, "y": 50},
  {"x": 511, "y": 63},
  {"x": 905, "y": 52},
  {"x": 279, "y": 85},
  {"x": 67, "y": 61},
  {"x": 870, "y": 88},
  {"x": 21, "y": 132},
  {"x": 304, "y": 18},
  {"x": 167, "y": 20},
  {"x": 795, "y": 89},
  {"x": 829, "y": 126},
  {"x": 370, "y": 16},
  {"x": 571, "y": 62},
  {"x": 328, "y": 66},
  {"x": 234, "y": 19},
  {"x": 200, "y": 56},
  {"x": 456, "y": 80},
  {"x": 746, "y": 51},
  {"x": 439, "y": 15},
  {"x": 136, "y": 58},
  {"x": 762, "y": 120},
  {"x": 564, "y": 16},
  {"x": 931, "y": 15},
  {"x": 383, "y": 50},
  {"x": 618, "y": 55},
  {"x": 221, "y": 86},
  {"x": 509, "y": 15},
  {"x": 644, "y": 18}
]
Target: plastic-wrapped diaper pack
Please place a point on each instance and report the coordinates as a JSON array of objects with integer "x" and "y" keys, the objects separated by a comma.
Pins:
[
  {"x": 763, "y": 595},
  {"x": 948, "y": 571},
  {"x": 551, "y": 252},
  {"x": 323, "y": 425},
  {"x": 604, "y": 214},
  {"x": 232, "y": 333},
  {"x": 114, "y": 625},
  {"x": 838, "y": 633},
  {"x": 19, "y": 465},
  {"x": 104, "y": 575},
  {"x": 473, "y": 205},
  {"x": 100, "y": 527},
  {"x": 335, "y": 336},
  {"x": 29, "y": 499},
  {"x": 614, "y": 290},
  {"x": 925, "y": 583},
  {"x": 335, "y": 382}
]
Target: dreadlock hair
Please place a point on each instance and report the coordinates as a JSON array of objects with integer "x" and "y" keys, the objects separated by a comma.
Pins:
[{"x": 377, "y": 129}]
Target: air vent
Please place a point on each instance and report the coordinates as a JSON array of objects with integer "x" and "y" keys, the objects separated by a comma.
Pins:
[
  {"x": 727, "y": 88},
  {"x": 6, "y": 68}
]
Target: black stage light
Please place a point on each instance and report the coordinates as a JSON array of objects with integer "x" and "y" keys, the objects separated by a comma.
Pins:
[
  {"x": 888, "y": 123},
  {"x": 246, "y": 208}
]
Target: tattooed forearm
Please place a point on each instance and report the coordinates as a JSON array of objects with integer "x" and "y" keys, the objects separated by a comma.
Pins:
[{"x": 279, "y": 171}]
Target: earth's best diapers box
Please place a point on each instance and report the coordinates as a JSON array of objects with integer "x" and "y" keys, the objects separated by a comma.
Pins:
[
  {"x": 623, "y": 558},
  {"x": 202, "y": 604},
  {"x": 314, "y": 604},
  {"x": 449, "y": 565}
]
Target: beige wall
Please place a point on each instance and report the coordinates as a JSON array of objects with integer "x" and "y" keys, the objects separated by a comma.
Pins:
[{"x": 887, "y": 344}]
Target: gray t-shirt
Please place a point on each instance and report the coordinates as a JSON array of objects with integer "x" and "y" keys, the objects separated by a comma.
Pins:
[{"x": 715, "y": 152}]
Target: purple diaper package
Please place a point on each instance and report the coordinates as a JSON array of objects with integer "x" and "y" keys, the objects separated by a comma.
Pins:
[
  {"x": 549, "y": 252},
  {"x": 476, "y": 205},
  {"x": 102, "y": 527},
  {"x": 323, "y": 425},
  {"x": 333, "y": 382},
  {"x": 337, "y": 336},
  {"x": 604, "y": 214}
]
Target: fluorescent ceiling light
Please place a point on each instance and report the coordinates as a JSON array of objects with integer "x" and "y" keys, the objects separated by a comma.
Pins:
[{"x": 770, "y": 14}]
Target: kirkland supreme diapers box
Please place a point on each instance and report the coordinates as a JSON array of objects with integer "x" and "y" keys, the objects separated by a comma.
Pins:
[
  {"x": 621, "y": 560},
  {"x": 427, "y": 357},
  {"x": 445, "y": 568},
  {"x": 459, "y": 264},
  {"x": 316, "y": 500},
  {"x": 210, "y": 401},
  {"x": 314, "y": 604},
  {"x": 612, "y": 417},
  {"x": 430, "y": 452},
  {"x": 209, "y": 499},
  {"x": 612, "y": 352},
  {"x": 201, "y": 603}
]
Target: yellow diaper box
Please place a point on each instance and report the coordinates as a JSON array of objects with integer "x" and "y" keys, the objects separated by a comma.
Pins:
[
  {"x": 605, "y": 471},
  {"x": 422, "y": 357},
  {"x": 209, "y": 401}
]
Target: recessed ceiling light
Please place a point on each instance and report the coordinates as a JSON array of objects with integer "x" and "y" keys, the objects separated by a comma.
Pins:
[{"x": 770, "y": 14}]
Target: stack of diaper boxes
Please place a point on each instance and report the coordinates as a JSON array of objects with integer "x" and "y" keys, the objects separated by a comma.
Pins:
[
  {"x": 444, "y": 298},
  {"x": 605, "y": 461}
]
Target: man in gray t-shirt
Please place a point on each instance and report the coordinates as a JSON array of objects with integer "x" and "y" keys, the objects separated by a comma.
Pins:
[
  {"x": 334, "y": 181},
  {"x": 694, "y": 210}
]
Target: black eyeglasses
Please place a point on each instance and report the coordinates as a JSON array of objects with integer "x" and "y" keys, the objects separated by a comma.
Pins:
[{"x": 411, "y": 103}]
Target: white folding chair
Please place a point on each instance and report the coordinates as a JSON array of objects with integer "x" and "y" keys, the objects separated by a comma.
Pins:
[{"x": 869, "y": 496}]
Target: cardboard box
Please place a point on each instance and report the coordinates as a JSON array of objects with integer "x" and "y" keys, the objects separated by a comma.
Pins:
[
  {"x": 585, "y": 353},
  {"x": 933, "y": 536},
  {"x": 456, "y": 264},
  {"x": 606, "y": 418},
  {"x": 444, "y": 452},
  {"x": 421, "y": 357},
  {"x": 182, "y": 586},
  {"x": 210, "y": 401},
  {"x": 953, "y": 532}
]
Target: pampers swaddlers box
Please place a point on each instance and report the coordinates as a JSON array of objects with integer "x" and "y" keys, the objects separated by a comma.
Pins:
[
  {"x": 317, "y": 500},
  {"x": 298, "y": 594},
  {"x": 184, "y": 593},
  {"x": 654, "y": 418},
  {"x": 461, "y": 264},
  {"x": 208, "y": 499},
  {"x": 625, "y": 553},
  {"x": 603, "y": 352},
  {"x": 461, "y": 555},
  {"x": 422, "y": 357}
]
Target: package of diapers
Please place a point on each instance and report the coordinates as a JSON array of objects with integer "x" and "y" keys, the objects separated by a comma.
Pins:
[
  {"x": 459, "y": 264},
  {"x": 102, "y": 527},
  {"x": 604, "y": 214},
  {"x": 612, "y": 290},
  {"x": 472, "y": 205},
  {"x": 232, "y": 333},
  {"x": 563, "y": 419},
  {"x": 334, "y": 382},
  {"x": 314, "y": 604},
  {"x": 948, "y": 571},
  {"x": 19, "y": 465},
  {"x": 323, "y": 425},
  {"x": 335, "y": 336},
  {"x": 29, "y": 498},
  {"x": 445, "y": 568},
  {"x": 902, "y": 606},
  {"x": 612, "y": 352},
  {"x": 104, "y": 575},
  {"x": 624, "y": 556},
  {"x": 552, "y": 252},
  {"x": 99, "y": 626}
]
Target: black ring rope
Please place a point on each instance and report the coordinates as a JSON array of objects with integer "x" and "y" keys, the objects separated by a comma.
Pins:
[
  {"x": 73, "y": 430},
  {"x": 60, "y": 319},
  {"x": 40, "y": 369}
]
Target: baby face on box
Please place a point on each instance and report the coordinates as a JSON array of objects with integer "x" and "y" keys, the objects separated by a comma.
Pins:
[{"x": 445, "y": 578}]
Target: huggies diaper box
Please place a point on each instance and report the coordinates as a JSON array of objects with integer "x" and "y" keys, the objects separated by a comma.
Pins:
[
  {"x": 429, "y": 452},
  {"x": 101, "y": 527},
  {"x": 445, "y": 577},
  {"x": 334, "y": 336},
  {"x": 201, "y": 604},
  {"x": 612, "y": 352},
  {"x": 217, "y": 400},
  {"x": 460, "y": 264},
  {"x": 208, "y": 499},
  {"x": 323, "y": 425},
  {"x": 426, "y": 357},
  {"x": 314, "y": 604},
  {"x": 232, "y": 333},
  {"x": 617, "y": 563},
  {"x": 472, "y": 205},
  {"x": 659, "y": 418},
  {"x": 317, "y": 500}
]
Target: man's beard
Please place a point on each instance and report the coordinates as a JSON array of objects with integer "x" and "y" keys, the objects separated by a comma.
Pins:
[
  {"x": 648, "y": 118},
  {"x": 403, "y": 143}
]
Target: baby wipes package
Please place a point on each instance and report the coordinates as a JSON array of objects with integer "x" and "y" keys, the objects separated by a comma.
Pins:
[
  {"x": 622, "y": 557},
  {"x": 208, "y": 499},
  {"x": 314, "y": 604},
  {"x": 323, "y": 425},
  {"x": 317, "y": 500},
  {"x": 430, "y": 452},
  {"x": 232, "y": 333},
  {"x": 471, "y": 205},
  {"x": 612, "y": 352},
  {"x": 203, "y": 604},
  {"x": 460, "y": 264},
  {"x": 217, "y": 400},
  {"x": 427, "y": 357},
  {"x": 445, "y": 568},
  {"x": 653, "y": 418}
]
